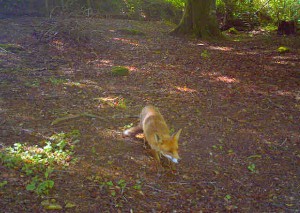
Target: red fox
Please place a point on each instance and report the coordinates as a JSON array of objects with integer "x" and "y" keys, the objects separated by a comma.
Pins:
[{"x": 157, "y": 134}]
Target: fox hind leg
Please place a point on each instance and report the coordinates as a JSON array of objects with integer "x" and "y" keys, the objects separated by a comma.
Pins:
[{"x": 133, "y": 131}]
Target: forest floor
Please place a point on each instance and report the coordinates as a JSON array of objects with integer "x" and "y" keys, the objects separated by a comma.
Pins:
[{"x": 236, "y": 100}]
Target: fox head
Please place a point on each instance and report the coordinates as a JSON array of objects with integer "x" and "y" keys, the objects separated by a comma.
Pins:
[{"x": 169, "y": 147}]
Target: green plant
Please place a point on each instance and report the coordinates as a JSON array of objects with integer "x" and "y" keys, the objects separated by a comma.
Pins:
[
  {"x": 205, "y": 54},
  {"x": 266, "y": 12},
  {"x": 130, "y": 31},
  {"x": 127, "y": 126},
  {"x": 3, "y": 183},
  {"x": 227, "y": 197},
  {"x": 40, "y": 186},
  {"x": 232, "y": 30},
  {"x": 252, "y": 168},
  {"x": 122, "y": 184},
  {"x": 121, "y": 103},
  {"x": 38, "y": 163},
  {"x": 56, "y": 81},
  {"x": 120, "y": 71},
  {"x": 283, "y": 50},
  {"x": 217, "y": 147},
  {"x": 138, "y": 185},
  {"x": 113, "y": 188},
  {"x": 270, "y": 27},
  {"x": 34, "y": 83}
]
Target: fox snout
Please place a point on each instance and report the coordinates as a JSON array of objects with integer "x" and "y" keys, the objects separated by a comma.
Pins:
[{"x": 174, "y": 160}]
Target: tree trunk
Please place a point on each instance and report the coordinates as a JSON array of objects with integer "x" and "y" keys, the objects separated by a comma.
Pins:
[{"x": 199, "y": 19}]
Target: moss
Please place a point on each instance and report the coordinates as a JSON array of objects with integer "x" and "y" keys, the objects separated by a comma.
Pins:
[
  {"x": 232, "y": 30},
  {"x": 120, "y": 71},
  {"x": 129, "y": 31},
  {"x": 283, "y": 49}
]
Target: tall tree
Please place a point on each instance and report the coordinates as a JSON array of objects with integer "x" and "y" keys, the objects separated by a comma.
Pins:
[{"x": 199, "y": 19}]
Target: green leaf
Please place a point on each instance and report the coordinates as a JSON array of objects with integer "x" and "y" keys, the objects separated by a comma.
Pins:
[
  {"x": 43, "y": 188},
  {"x": 283, "y": 49},
  {"x": 252, "y": 167},
  {"x": 31, "y": 186},
  {"x": 113, "y": 193},
  {"x": 48, "y": 172},
  {"x": 70, "y": 205},
  {"x": 227, "y": 197},
  {"x": 137, "y": 187},
  {"x": 122, "y": 183},
  {"x": 120, "y": 71},
  {"x": 109, "y": 183},
  {"x": 53, "y": 206},
  {"x": 3, "y": 183}
]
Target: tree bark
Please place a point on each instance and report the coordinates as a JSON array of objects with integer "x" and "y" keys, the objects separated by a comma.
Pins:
[{"x": 199, "y": 19}]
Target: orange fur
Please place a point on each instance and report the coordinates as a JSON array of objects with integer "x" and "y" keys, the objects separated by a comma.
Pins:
[{"x": 157, "y": 134}]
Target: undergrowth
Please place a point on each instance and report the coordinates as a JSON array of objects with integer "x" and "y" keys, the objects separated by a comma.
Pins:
[{"x": 39, "y": 162}]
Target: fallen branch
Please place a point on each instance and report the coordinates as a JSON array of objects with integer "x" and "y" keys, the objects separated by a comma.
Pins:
[{"x": 69, "y": 117}]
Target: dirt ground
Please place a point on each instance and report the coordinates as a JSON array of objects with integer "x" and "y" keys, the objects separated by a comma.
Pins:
[{"x": 237, "y": 101}]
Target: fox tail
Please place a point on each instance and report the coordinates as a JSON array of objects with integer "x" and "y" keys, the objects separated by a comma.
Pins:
[{"x": 133, "y": 131}]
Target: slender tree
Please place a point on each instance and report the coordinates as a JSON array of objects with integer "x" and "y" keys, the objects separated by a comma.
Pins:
[{"x": 199, "y": 19}]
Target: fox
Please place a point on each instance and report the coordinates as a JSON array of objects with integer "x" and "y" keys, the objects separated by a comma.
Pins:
[{"x": 156, "y": 134}]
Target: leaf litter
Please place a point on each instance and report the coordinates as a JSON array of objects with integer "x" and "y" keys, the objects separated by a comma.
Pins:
[{"x": 237, "y": 103}]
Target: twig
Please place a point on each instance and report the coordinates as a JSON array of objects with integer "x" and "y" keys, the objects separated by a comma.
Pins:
[
  {"x": 280, "y": 107},
  {"x": 58, "y": 120},
  {"x": 4, "y": 50},
  {"x": 172, "y": 194},
  {"x": 125, "y": 116},
  {"x": 283, "y": 142}
]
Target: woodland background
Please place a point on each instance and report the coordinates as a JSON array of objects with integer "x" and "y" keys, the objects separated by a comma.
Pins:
[{"x": 75, "y": 74}]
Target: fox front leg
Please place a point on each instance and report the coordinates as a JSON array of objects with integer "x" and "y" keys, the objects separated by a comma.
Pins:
[
  {"x": 156, "y": 156},
  {"x": 173, "y": 166},
  {"x": 145, "y": 141}
]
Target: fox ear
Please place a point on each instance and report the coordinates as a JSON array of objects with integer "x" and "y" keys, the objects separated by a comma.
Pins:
[
  {"x": 157, "y": 138},
  {"x": 176, "y": 135}
]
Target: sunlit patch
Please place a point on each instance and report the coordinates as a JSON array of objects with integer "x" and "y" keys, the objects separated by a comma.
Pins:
[
  {"x": 115, "y": 102},
  {"x": 131, "y": 68},
  {"x": 211, "y": 74},
  {"x": 75, "y": 84},
  {"x": 58, "y": 44},
  {"x": 185, "y": 89},
  {"x": 284, "y": 93},
  {"x": 221, "y": 48},
  {"x": 103, "y": 63},
  {"x": 140, "y": 136},
  {"x": 216, "y": 76},
  {"x": 227, "y": 79},
  {"x": 68, "y": 71},
  {"x": 282, "y": 62},
  {"x": 90, "y": 82},
  {"x": 127, "y": 41},
  {"x": 109, "y": 133}
]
